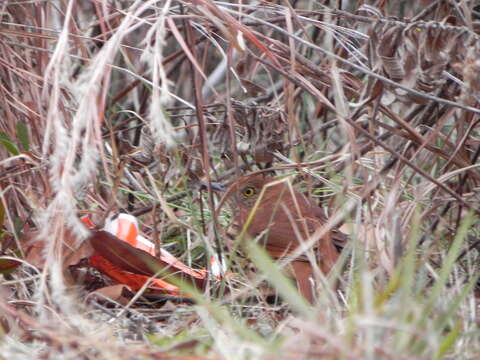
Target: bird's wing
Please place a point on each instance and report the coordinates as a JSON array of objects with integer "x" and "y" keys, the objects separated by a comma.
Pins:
[{"x": 339, "y": 238}]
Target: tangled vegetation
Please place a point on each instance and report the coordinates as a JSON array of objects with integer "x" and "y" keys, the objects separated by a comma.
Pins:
[{"x": 371, "y": 108}]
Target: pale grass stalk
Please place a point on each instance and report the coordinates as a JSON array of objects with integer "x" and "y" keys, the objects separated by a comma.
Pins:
[{"x": 162, "y": 129}]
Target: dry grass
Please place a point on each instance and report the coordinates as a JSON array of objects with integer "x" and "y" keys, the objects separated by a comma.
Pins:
[{"x": 109, "y": 106}]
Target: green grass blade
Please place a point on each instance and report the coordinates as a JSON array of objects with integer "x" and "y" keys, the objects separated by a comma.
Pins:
[{"x": 282, "y": 284}]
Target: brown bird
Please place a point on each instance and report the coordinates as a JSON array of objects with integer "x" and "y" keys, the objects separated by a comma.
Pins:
[{"x": 283, "y": 219}]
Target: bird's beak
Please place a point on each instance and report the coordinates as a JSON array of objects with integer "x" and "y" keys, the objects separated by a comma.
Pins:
[{"x": 218, "y": 187}]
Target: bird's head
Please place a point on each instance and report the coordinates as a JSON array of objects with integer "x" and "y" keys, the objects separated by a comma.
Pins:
[{"x": 244, "y": 192}]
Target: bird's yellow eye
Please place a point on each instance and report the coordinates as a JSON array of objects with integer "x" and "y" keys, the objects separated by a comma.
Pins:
[{"x": 248, "y": 191}]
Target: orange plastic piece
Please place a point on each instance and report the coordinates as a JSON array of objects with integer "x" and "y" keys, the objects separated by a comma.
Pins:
[
  {"x": 171, "y": 260},
  {"x": 125, "y": 227},
  {"x": 134, "y": 281},
  {"x": 217, "y": 268},
  {"x": 127, "y": 231},
  {"x": 86, "y": 220}
]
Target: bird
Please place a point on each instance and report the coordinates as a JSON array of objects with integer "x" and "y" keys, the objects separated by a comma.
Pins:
[{"x": 283, "y": 218}]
